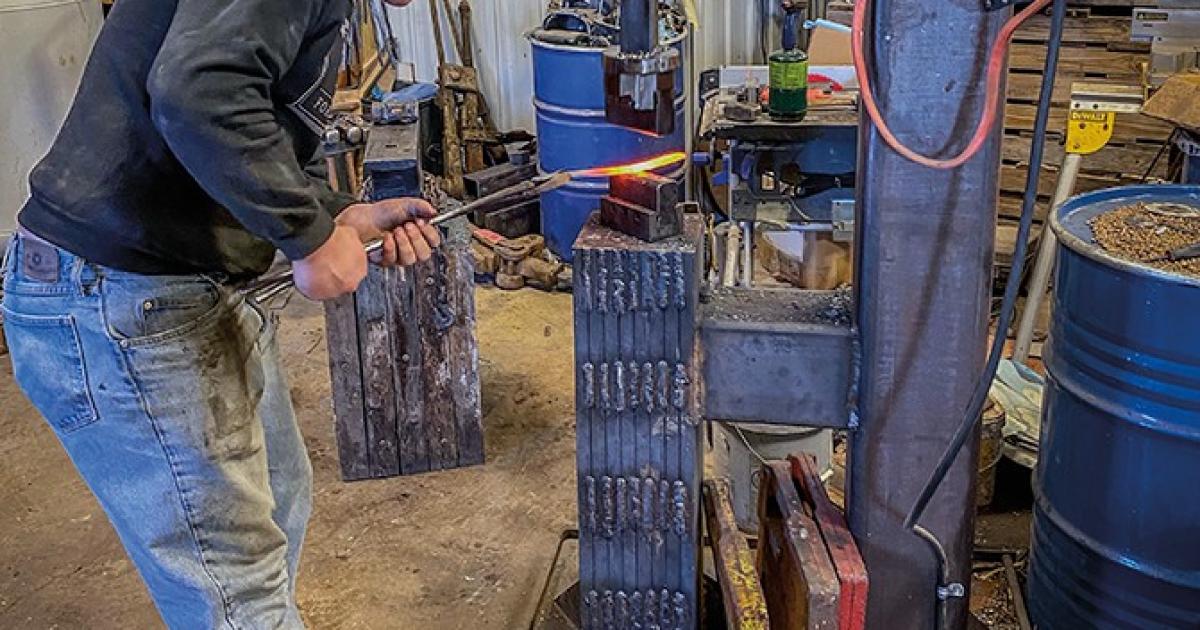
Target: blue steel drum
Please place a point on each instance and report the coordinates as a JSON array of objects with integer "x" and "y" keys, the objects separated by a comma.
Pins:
[
  {"x": 568, "y": 84},
  {"x": 1116, "y": 523}
]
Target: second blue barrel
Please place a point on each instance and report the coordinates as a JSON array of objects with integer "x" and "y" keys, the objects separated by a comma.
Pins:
[
  {"x": 573, "y": 134},
  {"x": 1116, "y": 525}
]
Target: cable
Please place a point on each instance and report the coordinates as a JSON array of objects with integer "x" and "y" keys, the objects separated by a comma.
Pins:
[
  {"x": 975, "y": 407},
  {"x": 1157, "y": 156},
  {"x": 993, "y": 93}
]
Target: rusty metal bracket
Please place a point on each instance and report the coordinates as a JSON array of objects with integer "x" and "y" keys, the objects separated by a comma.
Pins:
[
  {"x": 847, "y": 561},
  {"x": 745, "y": 605},
  {"x": 798, "y": 577}
]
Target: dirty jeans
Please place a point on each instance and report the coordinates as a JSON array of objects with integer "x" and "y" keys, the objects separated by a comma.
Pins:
[{"x": 168, "y": 395}]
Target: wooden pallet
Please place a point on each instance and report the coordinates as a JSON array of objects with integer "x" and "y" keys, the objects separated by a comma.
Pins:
[{"x": 1095, "y": 49}]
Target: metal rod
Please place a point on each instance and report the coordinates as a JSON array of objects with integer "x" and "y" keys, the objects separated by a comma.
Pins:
[
  {"x": 268, "y": 287},
  {"x": 1044, "y": 266},
  {"x": 437, "y": 34},
  {"x": 748, "y": 254},
  {"x": 1014, "y": 587},
  {"x": 729, "y": 272},
  {"x": 639, "y": 26}
]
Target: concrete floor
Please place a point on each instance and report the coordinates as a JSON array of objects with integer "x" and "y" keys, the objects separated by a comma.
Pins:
[{"x": 459, "y": 549}]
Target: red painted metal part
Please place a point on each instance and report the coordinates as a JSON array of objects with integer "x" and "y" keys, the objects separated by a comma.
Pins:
[
  {"x": 847, "y": 561},
  {"x": 797, "y": 574}
]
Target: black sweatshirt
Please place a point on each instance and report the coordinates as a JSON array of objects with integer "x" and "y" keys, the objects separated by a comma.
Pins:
[{"x": 185, "y": 149}]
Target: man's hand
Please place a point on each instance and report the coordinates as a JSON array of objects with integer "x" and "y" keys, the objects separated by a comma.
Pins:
[
  {"x": 334, "y": 269},
  {"x": 402, "y": 225}
]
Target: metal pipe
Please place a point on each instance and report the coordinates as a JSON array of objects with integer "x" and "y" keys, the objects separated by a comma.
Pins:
[
  {"x": 1047, "y": 253},
  {"x": 639, "y": 26},
  {"x": 748, "y": 254},
  {"x": 689, "y": 90},
  {"x": 729, "y": 272}
]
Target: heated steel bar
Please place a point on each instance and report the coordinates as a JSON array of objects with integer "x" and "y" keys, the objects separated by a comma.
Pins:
[
  {"x": 924, "y": 258},
  {"x": 637, "y": 428}
]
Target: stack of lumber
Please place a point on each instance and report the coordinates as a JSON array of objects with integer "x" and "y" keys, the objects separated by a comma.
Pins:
[{"x": 1096, "y": 49}]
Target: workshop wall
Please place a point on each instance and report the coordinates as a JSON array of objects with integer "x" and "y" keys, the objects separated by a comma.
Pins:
[
  {"x": 43, "y": 47},
  {"x": 729, "y": 34}
]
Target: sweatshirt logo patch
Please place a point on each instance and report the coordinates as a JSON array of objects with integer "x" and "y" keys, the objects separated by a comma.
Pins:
[{"x": 315, "y": 105}]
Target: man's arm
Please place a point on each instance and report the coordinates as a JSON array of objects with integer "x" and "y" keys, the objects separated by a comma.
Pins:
[{"x": 210, "y": 98}]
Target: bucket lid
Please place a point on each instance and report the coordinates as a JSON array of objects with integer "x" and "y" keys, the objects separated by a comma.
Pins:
[{"x": 1070, "y": 223}]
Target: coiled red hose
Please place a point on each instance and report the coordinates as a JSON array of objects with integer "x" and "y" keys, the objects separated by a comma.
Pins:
[{"x": 995, "y": 72}]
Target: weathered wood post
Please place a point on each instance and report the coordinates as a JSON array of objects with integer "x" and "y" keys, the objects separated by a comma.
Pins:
[{"x": 403, "y": 356}]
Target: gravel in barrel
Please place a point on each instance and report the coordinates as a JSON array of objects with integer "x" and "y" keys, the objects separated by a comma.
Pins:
[{"x": 1145, "y": 232}]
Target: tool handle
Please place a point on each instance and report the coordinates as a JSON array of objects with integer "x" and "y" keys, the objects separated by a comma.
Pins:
[{"x": 1184, "y": 253}]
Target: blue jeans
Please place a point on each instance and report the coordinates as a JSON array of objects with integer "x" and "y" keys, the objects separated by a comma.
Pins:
[{"x": 168, "y": 394}]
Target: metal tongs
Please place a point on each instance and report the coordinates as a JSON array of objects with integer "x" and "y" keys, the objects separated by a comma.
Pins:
[{"x": 267, "y": 287}]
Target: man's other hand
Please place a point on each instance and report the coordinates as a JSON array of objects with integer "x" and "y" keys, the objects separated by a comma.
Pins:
[
  {"x": 402, "y": 225},
  {"x": 334, "y": 269}
]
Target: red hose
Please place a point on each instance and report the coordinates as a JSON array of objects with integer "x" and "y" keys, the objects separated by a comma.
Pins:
[{"x": 995, "y": 71}]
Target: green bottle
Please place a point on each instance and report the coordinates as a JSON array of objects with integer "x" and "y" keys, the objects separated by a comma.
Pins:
[{"x": 788, "y": 98}]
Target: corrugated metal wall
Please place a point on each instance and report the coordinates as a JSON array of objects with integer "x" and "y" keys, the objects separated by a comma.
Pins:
[{"x": 729, "y": 34}]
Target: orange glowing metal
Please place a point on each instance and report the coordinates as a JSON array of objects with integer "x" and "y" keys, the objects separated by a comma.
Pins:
[{"x": 636, "y": 167}]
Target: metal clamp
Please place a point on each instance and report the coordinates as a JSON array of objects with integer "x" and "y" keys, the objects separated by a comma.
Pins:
[
  {"x": 951, "y": 591},
  {"x": 843, "y": 220}
]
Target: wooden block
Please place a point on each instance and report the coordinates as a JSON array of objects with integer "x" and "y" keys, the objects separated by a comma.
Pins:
[
  {"x": 345, "y": 371},
  {"x": 404, "y": 359},
  {"x": 741, "y": 592},
  {"x": 379, "y": 392},
  {"x": 797, "y": 574},
  {"x": 1012, "y": 179},
  {"x": 433, "y": 309},
  {"x": 1177, "y": 103},
  {"x": 1024, "y": 87}
]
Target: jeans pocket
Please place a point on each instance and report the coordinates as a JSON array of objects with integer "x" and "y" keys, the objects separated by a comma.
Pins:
[
  {"x": 47, "y": 360},
  {"x": 147, "y": 309}
]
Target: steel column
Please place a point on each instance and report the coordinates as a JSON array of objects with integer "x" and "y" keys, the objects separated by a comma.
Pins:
[
  {"x": 924, "y": 263},
  {"x": 637, "y": 428}
]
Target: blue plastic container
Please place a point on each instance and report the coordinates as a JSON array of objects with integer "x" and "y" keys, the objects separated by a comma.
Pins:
[
  {"x": 1116, "y": 527},
  {"x": 568, "y": 85}
]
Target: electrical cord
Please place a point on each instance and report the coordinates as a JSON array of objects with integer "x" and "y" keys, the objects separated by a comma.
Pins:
[
  {"x": 975, "y": 407},
  {"x": 993, "y": 92}
]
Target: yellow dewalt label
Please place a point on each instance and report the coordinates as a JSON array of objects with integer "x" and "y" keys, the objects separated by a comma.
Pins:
[
  {"x": 1088, "y": 131},
  {"x": 1088, "y": 116}
]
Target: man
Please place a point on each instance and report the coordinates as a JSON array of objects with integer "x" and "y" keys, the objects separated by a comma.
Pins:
[{"x": 177, "y": 174}]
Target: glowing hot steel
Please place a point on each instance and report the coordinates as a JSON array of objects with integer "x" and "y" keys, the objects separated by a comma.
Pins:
[{"x": 636, "y": 167}]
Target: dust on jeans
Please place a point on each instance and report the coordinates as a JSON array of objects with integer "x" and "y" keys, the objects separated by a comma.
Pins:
[{"x": 231, "y": 384}]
